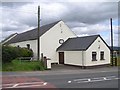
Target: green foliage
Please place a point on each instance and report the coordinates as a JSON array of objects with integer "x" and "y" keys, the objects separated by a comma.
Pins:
[
  {"x": 17, "y": 65},
  {"x": 118, "y": 60},
  {"x": 9, "y": 53}
]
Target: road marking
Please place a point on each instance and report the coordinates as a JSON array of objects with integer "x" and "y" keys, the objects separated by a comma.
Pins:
[
  {"x": 45, "y": 83},
  {"x": 15, "y": 85},
  {"x": 80, "y": 79},
  {"x": 23, "y": 85},
  {"x": 89, "y": 80},
  {"x": 97, "y": 79},
  {"x": 104, "y": 78},
  {"x": 69, "y": 81}
]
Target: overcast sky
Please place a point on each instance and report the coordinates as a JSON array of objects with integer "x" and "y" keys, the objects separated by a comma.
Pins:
[{"x": 83, "y": 18}]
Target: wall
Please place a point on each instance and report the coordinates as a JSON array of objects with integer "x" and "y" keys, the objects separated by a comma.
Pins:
[
  {"x": 33, "y": 46},
  {"x": 94, "y": 47},
  {"x": 73, "y": 58},
  {"x": 50, "y": 40}
]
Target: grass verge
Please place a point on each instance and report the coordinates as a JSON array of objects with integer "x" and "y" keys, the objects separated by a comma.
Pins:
[
  {"x": 17, "y": 65},
  {"x": 118, "y": 60}
]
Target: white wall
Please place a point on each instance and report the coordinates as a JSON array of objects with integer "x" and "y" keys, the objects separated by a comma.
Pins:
[
  {"x": 50, "y": 40},
  {"x": 94, "y": 47},
  {"x": 73, "y": 58},
  {"x": 33, "y": 46}
]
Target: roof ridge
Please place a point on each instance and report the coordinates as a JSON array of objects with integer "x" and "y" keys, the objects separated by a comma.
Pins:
[
  {"x": 32, "y": 34},
  {"x": 91, "y": 35},
  {"x": 40, "y": 26},
  {"x": 85, "y": 36}
]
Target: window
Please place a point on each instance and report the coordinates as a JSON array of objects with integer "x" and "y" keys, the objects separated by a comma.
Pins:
[
  {"x": 28, "y": 46},
  {"x": 94, "y": 54},
  {"x": 102, "y": 55},
  {"x": 18, "y": 46},
  {"x": 61, "y": 41}
]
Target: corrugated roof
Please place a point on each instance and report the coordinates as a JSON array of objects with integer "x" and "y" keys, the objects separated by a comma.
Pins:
[
  {"x": 31, "y": 34},
  {"x": 78, "y": 43}
]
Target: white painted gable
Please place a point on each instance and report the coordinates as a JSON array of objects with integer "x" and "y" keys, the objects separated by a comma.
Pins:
[
  {"x": 97, "y": 46},
  {"x": 50, "y": 40}
]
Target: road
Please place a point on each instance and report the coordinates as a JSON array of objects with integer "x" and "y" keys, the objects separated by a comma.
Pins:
[{"x": 89, "y": 78}]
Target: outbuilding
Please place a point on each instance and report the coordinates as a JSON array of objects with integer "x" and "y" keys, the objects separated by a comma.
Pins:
[{"x": 84, "y": 51}]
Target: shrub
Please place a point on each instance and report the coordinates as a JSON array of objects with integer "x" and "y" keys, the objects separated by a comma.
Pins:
[{"x": 9, "y": 53}]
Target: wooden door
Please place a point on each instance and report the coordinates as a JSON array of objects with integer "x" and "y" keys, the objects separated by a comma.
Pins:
[{"x": 61, "y": 57}]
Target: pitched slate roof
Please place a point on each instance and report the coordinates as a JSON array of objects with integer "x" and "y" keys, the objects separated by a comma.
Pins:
[
  {"x": 31, "y": 34},
  {"x": 78, "y": 43},
  {"x": 8, "y": 37}
]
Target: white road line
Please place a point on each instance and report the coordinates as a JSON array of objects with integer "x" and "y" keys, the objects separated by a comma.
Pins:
[
  {"x": 69, "y": 81},
  {"x": 23, "y": 83},
  {"x": 97, "y": 79},
  {"x": 25, "y": 86},
  {"x": 15, "y": 85},
  {"x": 104, "y": 78},
  {"x": 89, "y": 80},
  {"x": 45, "y": 83},
  {"x": 80, "y": 79},
  {"x": 30, "y": 84}
]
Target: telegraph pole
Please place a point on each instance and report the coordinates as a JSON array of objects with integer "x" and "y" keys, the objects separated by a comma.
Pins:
[
  {"x": 111, "y": 41},
  {"x": 38, "y": 43}
]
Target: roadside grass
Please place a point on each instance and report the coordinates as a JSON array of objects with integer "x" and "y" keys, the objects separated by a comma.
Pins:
[
  {"x": 118, "y": 60},
  {"x": 17, "y": 65}
]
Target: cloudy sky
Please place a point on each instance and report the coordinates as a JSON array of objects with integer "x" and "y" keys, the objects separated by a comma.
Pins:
[{"x": 83, "y": 18}]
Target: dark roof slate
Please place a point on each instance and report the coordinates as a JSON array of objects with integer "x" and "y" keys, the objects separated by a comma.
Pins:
[
  {"x": 8, "y": 37},
  {"x": 31, "y": 34},
  {"x": 78, "y": 43}
]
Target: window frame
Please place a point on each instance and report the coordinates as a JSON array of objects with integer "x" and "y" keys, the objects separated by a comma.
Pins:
[
  {"x": 102, "y": 57},
  {"x": 94, "y": 53}
]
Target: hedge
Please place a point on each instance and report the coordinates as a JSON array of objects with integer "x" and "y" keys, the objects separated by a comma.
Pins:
[{"x": 9, "y": 53}]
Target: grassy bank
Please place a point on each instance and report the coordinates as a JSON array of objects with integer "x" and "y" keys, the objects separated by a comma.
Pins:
[
  {"x": 118, "y": 60},
  {"x": 17, "y": 65}
]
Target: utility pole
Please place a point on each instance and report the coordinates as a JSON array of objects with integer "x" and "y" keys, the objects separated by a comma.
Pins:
[
  {"x": 38, "y": 43},
  {"x": 111, "y": 41}
]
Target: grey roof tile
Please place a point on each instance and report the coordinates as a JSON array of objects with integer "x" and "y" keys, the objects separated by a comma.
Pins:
[
  {"x": 78, "y": 43},
  {"x": 31, "y": 34}
]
